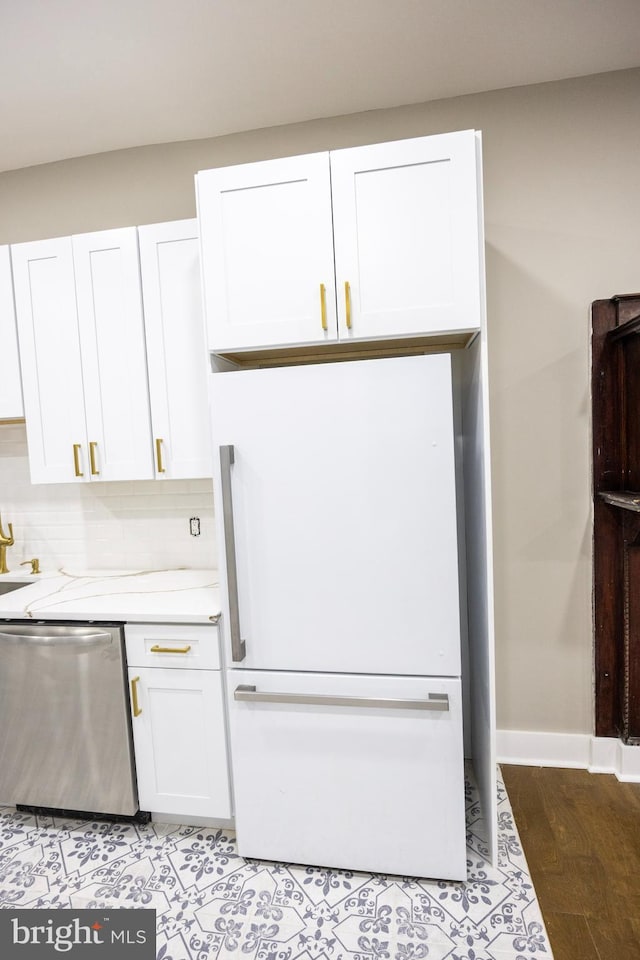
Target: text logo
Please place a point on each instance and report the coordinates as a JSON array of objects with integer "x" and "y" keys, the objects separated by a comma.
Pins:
[{"x": 79, "y": 934}]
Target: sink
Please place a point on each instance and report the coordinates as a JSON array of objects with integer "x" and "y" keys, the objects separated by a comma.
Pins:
[{"x": 6, "y": 586}]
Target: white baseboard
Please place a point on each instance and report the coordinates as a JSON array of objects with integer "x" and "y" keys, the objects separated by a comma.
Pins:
[{"x": 596, "y": 754}]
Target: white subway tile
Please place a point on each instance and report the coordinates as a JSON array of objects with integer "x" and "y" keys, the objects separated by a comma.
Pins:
[{"x": 133, "y": 525}]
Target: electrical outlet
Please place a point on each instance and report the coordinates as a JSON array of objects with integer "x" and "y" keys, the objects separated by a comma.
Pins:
[{"x": 194, "y": 526}]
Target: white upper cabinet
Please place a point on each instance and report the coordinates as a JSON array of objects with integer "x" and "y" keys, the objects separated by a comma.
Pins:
[
  {"x": 176, "y": 352},
  {"x": 82, "y": 353},
  {"x": 50, "y": 359},
  {"x": 369, "y": 243},
  {"x": 112, "y": 345},
  {"x": 10, "y": 385},
  {"x": 267, "y": 253},
  {"x": 406, "y": 237}
]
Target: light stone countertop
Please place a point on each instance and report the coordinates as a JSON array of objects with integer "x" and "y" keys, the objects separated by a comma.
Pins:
[{"x": 142, "y": 596}]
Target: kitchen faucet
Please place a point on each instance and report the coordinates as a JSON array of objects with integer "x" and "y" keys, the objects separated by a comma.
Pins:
[{"x": 4, "y": 543}]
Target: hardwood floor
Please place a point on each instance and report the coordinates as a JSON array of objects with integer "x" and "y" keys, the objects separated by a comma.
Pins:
[{"x": 581, "y": 838}]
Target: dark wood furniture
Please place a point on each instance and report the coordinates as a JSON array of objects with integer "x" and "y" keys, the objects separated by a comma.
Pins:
[{"x": 616, "y": 535}]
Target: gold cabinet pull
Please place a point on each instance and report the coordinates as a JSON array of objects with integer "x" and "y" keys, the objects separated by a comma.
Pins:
[
  {"x": 76, "y": 460},
  {"x": 92, "y": 459},
  {"x": 156, "y": 648},
  {"x": 134, "y": 696},
  {"x": 159, "y": 442},
  {"x": 323, "y": 306},
  {"x": 347, "y": 303}
]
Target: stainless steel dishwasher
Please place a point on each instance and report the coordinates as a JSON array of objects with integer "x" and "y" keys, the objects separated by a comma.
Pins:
[{"x": 65, "y": 729}]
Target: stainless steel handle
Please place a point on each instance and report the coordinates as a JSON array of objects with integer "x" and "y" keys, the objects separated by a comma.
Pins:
[
  {"x": 435, "y": 701},
  {"x": 227, "y": 457},
  {"x": 90, "y": 639}
]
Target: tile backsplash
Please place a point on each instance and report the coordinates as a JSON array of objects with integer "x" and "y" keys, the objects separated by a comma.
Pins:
[{"x": 141, "y": 524}]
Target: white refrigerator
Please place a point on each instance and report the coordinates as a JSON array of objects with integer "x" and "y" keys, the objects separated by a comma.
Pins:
[{"x": 338, "y": 538}]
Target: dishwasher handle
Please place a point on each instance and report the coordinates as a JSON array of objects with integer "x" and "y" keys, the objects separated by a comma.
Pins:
[{"x": 72, "y": 636}]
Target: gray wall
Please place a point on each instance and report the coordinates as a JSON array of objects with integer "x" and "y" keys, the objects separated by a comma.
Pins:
[{"x": 562, "y": 205}]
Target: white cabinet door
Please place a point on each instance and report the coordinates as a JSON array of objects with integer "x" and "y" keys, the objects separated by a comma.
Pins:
[
  {"x": 353, "y": 784},
  {"x": 111, "y": 326},
  {"x": 176, "y": 349},
  {"x": 180, "y": 742},
  {"x": 407, "y": 237},
  {"x": 267, "y": 253},
  {"x": 50, "y": 360},
  {"x": 344, "y": 506},
  {"x": 11, "y": 407}
]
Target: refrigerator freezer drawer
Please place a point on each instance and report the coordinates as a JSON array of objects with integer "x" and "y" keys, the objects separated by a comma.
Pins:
[{"x": 357, "y": 772}]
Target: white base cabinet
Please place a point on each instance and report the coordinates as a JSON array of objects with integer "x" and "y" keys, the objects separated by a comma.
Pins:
[
  {"x": 178, "y": 719},
  {"x": 355, "y": 772}
]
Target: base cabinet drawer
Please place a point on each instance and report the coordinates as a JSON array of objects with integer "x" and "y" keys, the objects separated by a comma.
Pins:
[
  {"x": 178, "y": 646},
  {"x": 179, "y": 736},
  {"x": 362, "y": 773}
]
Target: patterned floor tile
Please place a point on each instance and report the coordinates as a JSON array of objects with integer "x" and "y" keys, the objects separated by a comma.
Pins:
[{"x": 211, "y": 904}]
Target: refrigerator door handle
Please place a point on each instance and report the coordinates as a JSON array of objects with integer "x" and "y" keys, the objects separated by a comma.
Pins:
[
  {"x": 435, "y": 701},
  {"x": 237, "y": 643}
]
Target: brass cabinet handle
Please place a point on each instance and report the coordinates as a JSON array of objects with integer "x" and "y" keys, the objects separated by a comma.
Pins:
[
  {"x": 347, "y": 303},
  {"x": 92, "y": 459},
  {"x": 76, "y": 459},
  {"x": 156, "y": 648},
  {"x": 134, "y": 696},
  {"x": 323, "y": 306},
  {"x": 159, "y": 442}
]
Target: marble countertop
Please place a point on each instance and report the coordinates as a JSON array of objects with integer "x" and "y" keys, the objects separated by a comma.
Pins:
[{"x": 142, "y": 596}]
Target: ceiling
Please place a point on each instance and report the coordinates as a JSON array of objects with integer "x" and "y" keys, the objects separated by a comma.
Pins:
[{"x": 86, "y": 76}]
